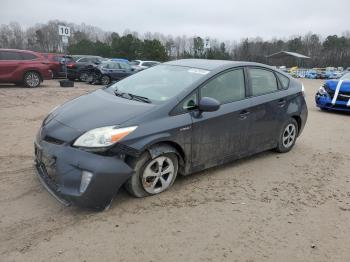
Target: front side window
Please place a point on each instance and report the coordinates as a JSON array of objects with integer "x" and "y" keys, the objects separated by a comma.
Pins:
[
  {"x": 83, "y": 60},
  {"x": 262, "y": 81},
  {"x": 27, "y": 56},
  {"x": 124, "y": 66},
  {"x": 225, "y": 88}
]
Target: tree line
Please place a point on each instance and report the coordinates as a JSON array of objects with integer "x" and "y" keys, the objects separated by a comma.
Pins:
[{"x": 333, "y": 50}]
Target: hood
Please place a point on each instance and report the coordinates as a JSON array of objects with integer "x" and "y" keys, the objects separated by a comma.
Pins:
[
  {"x": 98, "y": 109},
  {"x": 332, "y": 84}
]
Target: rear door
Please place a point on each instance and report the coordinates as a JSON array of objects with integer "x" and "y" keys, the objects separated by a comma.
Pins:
[
  {"x": 221, "y": 135},
  {"x": 9, "y": 63},
  {"x": 268, "y": 105}
]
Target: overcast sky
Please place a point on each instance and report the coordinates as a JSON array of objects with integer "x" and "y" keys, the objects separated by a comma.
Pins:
[{"x": 225, "y": 20}]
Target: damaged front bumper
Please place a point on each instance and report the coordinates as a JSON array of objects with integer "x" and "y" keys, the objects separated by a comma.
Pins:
[
  {"x": 326, "y": 102},
  {"x": 60, "y": 169}
]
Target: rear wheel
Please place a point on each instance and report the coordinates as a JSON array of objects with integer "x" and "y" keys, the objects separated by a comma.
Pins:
[
  {"x": 287, "y": 136},
  {"x": 152, "y": 176},
  {"x": 31, "y": 79},
  {"x": 83, "y": 76}
]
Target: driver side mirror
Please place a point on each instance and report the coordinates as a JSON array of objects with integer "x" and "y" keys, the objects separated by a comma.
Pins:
[{"x": 208, "y": 104}]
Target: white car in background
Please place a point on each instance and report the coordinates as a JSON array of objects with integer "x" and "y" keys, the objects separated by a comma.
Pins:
[{"x": 139, "y": 65}]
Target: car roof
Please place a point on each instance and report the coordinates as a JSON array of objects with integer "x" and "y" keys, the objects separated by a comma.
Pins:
[
  {"x": 208, "y": 64},
  {"x": 18, "y": 50}
]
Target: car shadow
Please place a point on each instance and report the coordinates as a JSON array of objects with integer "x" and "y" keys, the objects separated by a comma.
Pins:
[
  {"x": 181, "y": 181},
  {"x": 337, "y": 112}
]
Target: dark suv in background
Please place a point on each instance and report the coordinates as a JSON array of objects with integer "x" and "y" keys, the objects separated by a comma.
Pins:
[
  {"x": 23, "y": 67},
  {"x": 83, "y": 63}
]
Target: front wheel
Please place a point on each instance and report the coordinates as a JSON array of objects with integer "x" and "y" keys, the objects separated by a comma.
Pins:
[
  {"x": 152, "y": 176},
  {"x": 105, "y": 80},
  {"x": 31, "y": 79},
  {"x": 287, "y": 136}
]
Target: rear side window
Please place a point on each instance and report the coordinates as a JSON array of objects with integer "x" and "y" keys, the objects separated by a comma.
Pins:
[
  {"x": 262, "y": 81},
  {"x": 26, "y": 56},
  {"x": 7, "y": 55},
  {"x": 225, "y": 88},
  {"x": 284, "y": 80}
]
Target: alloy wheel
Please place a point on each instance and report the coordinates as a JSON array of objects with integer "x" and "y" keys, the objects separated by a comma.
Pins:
[
  {"x": 289, "y": 135},
  {"x": 32, "y": 79},
  {"x": 105, "y": 80},
  {"x": 158, "y": 175}
]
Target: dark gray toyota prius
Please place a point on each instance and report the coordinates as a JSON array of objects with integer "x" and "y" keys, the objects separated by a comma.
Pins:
[{"x": 176, "y": 118}]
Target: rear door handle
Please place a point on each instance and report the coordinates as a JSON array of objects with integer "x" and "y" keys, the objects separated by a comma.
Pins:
[
  {"x": 281, "y": 102},
  {"x": 244, "y": 114}
]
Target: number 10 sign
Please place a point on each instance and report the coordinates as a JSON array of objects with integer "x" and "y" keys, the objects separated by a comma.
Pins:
[{"x": 63, "y": 30}]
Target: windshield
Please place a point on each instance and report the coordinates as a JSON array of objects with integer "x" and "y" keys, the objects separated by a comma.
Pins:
[
  {"x": 159, "y": 83},
  {"x": 346, "y": 77}
]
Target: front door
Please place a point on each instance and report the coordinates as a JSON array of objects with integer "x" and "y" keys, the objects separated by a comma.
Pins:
[{"x": 221, "y": 135}]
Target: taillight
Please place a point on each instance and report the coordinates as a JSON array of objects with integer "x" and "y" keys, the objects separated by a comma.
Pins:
[{"x": 70, "y": 65}]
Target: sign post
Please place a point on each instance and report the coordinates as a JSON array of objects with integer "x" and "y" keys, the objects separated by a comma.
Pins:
[
  {"x": 64, "y": 32},
  {"x": 206, "y": 46}
]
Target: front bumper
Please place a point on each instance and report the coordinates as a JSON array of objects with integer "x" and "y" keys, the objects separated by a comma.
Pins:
[
  {"x": 325, "y": 102},
  {"x": 60, "y": 167}
]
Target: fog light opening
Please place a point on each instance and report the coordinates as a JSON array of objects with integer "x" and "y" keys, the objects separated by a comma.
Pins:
[{"x": 85, "y": 180}]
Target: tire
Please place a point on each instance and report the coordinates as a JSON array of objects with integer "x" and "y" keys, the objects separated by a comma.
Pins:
[
  {"x": 105, "y": 80},
  {"x": 31, "y": 79},
  {"x": 288, "y": 136},
  {"x": 143, "y": 168}
]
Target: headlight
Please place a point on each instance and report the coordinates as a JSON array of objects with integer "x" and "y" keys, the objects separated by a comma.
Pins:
[
  {"x": 103, "y": 136},
  {"x": 322, "y": 91}
]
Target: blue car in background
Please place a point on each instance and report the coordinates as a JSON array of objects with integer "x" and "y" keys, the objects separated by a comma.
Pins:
[
  {"x": 311, "y": 74},
  {"x": 335, "y": 94}
]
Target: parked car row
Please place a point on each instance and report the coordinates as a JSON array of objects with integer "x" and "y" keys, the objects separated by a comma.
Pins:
[{"x": 314, "y": 73}]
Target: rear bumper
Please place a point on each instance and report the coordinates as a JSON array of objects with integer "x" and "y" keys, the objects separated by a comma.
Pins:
[
  {"x": 60, "y": 167},
  {"x": 325, "y": 102}
]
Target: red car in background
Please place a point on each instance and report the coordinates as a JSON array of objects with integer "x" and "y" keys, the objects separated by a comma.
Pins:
[
  {"x": 57, "y": 63},
  {"x": 23, "y": 67}
]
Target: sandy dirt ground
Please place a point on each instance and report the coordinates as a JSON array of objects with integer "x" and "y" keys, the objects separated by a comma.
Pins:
[{"x": 269, "y": 207}]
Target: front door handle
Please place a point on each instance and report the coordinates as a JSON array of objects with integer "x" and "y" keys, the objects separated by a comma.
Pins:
[{"x": 244, "y": 114}]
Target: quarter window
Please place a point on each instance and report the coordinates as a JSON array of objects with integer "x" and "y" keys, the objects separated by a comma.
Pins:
[
  {"x": 225, "y": 88},
  {"x": 8, "y": 55},
  {"x": 262, "y": 81},
  {"x": 284, "y": 80}
]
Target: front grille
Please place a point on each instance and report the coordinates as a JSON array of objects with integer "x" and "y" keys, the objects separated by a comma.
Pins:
[{"x": 47, "y": 166}]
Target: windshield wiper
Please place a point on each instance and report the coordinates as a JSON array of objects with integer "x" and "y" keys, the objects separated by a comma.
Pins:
[
  {"x": 132, "y": 97},
  {"x": 140, "y": 98}
]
